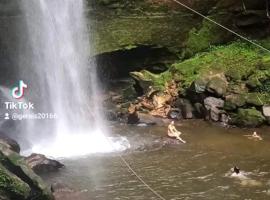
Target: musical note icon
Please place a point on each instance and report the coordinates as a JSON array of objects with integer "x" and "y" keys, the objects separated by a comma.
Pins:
[{"x": 18, "y": 92}]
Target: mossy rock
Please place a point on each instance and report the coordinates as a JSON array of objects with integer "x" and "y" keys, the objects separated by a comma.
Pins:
[
  {"x": 233, "y": 101},
  {"x": 217, "y": 85},
  {"x": 147, "y": 79},
  {"x": 16, "y": 165},
  {"x": 12, "y": 187},
  {"x": 257, "y": 79},
  {"x": 248, "y": 118}
]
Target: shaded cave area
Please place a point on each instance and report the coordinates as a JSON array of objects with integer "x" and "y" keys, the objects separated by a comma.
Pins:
[{"x": 118, "y": 64}]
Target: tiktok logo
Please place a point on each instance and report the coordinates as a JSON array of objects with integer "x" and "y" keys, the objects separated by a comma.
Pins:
[{"x": 18, "y": 92}]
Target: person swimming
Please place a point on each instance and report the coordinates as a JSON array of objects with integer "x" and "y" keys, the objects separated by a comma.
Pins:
[
  {"x": 242, "y": 176},
  {"x": 237, "y": 173},
  {"x": 254, "y": 136},
  {"x": 174, "y": 133}
]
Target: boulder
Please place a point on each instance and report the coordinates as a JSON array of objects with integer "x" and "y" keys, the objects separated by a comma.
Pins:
[
  {"x": 40, "y": 164},
  {"x": 266, "y": 112},
  {"x": 248, "y": 118},
  {"x": 214, "y": 107},
  {"x": 233, "y": 101},
  {"x": 212, "y": 102},
  {"x": 186, "y": 108},
  {"x": 212, "y": 82},
  {"x": 217, "y": 85}
]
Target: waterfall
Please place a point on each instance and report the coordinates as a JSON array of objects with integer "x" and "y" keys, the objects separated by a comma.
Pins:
[{"x": 62, "y": 81}]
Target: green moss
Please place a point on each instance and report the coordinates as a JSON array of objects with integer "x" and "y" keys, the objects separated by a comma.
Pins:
[
  {"x": 112, "y": 33},
  {"x": 208, "y": 34},
  {"x": 12, "y": 186},
  {"x": 237, "y": 61},
  {"x": 248, "y": 117}
]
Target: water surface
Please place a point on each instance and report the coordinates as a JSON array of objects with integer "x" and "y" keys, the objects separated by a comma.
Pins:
[{"x": 196, "y": 170}]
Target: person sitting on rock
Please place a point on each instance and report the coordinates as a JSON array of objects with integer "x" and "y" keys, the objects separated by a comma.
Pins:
[
  {"x": 254, "y": 136},
  {"x": 174, "y": 133}
]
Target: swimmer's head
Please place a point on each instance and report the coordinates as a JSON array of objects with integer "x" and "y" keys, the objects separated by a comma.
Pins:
[{"x": 236, "y": 170}]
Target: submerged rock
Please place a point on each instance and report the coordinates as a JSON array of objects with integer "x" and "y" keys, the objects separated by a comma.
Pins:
[
  {"x": 40, "y": 164},
  {"x": 63, "y": 192}
]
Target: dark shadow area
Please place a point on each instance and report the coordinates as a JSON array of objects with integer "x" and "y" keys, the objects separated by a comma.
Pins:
[{"x": 118, "y": 64}]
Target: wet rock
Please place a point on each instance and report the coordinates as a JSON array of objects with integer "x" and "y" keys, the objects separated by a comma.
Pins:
[
  {"x": 166, "y": 141},
  {"x": 175, "y": 114},
  {"x": 133, "y": 117},
  {"x": 40, "y": 164},
  {"x": 186, "y": 108},
  {"x": 266, "y": 112},
  {"x": 111, "y": 115},
  {"x": 248, "y": 118},
  {"x": 12, "y": 144},
  {"x": 17, "y": 180},
  {"x": 63, "y": 192},
  {"x": 224, "y": 119}
]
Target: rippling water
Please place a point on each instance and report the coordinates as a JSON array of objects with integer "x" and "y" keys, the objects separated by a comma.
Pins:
[{"x": 196, "y": 170}]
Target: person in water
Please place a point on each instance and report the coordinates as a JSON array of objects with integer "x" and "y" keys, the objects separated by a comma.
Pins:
[
  {"x": 254, "y": 136},
  {"x": 236, "y": 170},
  {"x": 174, "y": 133}
]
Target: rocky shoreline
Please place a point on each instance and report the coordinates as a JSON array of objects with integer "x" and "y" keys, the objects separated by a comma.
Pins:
[
  {"x": 228, "y": 84},
  {"x": 19, "y": 176}
]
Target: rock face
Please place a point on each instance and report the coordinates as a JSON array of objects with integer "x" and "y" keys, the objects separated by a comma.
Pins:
[
  {"x": 40, "y": 164},
  {"x": 17, "y": 180}
]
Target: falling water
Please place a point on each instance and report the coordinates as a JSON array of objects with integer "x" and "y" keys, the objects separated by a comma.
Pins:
[{"x": 55, "y": 65}]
